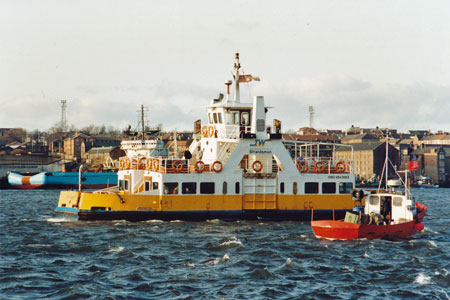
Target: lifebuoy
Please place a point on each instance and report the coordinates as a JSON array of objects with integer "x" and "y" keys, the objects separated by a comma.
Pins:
[
  {"x": 155, "y": 165},
  {"x": 148, "y": 163},
  {"x": 199, "y": 166},
  {"x": 127, "y": 163},
  {"x": 214, "y": 166},
  {"x": 177, "y": 165},
  {"x": 204, "y": 131},
  {"x": 319, "y": 166},
  {"x": 121, "y": 163},
  {"x": 302, "y": 166},
  {"x": 141, "y": 163},
  {"x": 211, "y": 131},
  {"x": 255, "y": 168},
  {"x": 340, "y": 167}
]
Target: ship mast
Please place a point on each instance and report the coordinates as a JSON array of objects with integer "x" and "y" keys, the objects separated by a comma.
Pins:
[{"x": 237, "y": 66}]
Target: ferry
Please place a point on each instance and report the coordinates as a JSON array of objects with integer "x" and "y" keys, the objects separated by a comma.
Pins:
[{"x": 237, "y": 167}]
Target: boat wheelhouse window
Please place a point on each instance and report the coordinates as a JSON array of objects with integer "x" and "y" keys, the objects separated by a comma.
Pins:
[
  {"x": 345, "y": 187},
  {"x": 282, "y": 187},
  {"x": 245, "y": 119},
  {"x": 123, "y": 185},
  {"x": 206, "y": 187},
  {"x": 126, "y": 185},
  {"x": 219, "y": 115},
  {"x": 224, "y": 188},
  {"x": 232, "y": 118},
  {"x": 236, "y": 188},
  {"x": 215, "y": 118},
  {"x": 189, "y": 187},
  {"x": 170, "y": 188},
  {"x": 147, "y": 186},
  {"x": 311, "y": 187},
  {"x": 294, "y": 188},
  {"x": 328, "y": 188},
  {"x": 210, "y": 118},
  {"x": 397, "y": 201},
  {"x": 155, "y": 185},
  {"x": 374, "y": 200}
]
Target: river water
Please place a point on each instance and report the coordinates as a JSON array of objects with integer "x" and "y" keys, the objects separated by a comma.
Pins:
[{"x": 43, "y": 256}]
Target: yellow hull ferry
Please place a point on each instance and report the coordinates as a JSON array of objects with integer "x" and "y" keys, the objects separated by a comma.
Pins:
[{"x": 237, "y": 167}]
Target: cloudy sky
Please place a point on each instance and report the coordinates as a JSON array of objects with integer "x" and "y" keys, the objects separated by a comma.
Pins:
[{"x": 363, "y": 63}]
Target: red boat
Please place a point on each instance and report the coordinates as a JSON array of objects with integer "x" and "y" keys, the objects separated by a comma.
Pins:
[{"x": 386, "y": 214}]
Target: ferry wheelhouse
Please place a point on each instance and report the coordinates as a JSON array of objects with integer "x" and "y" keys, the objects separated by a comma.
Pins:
[{"x": 237, "y": 167}]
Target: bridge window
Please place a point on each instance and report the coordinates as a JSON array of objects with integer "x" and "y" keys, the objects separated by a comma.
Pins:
[
  {"x": 219, "y": 115},
  {"x": 245, "y": 119},
  {"x": 236, "y": 188},
  {"x": 206, "y": 187},
  {"x": 210, "y": 119},
  {"x": 123, "y": 185},
  {"x": 170, "y": 188},
  {"x": 294, "y": 188},
  {"x": 328, "y": 188},
  {"x": 189, "y": 187},
  {"x": 215, "y": 118},
  {"x": 311, "y": 187},
  {"x": 345, "y": 187},
  {"x": 282, "y": 187},
  {"x": 147, "y": 186}
]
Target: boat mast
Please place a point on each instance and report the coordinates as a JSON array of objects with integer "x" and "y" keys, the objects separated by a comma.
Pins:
[
  {"x": 237, "y": 66},
  {"x": 387, "y": 158}
]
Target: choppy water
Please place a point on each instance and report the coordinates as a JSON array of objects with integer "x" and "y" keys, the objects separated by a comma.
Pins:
[{"x": 46, "y": 257}]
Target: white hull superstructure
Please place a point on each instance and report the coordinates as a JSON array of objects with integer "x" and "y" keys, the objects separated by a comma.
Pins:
[{"x": 238, "y": 168}]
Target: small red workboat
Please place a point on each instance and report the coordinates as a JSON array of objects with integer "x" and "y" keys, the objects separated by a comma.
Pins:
[{"x": 387, "y": 213}]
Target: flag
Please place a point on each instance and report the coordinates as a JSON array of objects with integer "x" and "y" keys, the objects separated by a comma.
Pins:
[
  {"x": 413, "y": 165},
  {"x": 247, "y": 78}
]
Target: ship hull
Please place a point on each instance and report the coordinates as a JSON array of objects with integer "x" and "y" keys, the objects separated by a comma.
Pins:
[{"x": 112, "y": 206}]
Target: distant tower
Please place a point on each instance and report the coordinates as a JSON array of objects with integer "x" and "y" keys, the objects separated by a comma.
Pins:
[
  {"x": 63, "y": 115},
  {"x": 311, "y": 116}
]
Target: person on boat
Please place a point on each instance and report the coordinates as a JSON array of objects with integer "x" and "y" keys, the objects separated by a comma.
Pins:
[{"x": 386, "y": 208}]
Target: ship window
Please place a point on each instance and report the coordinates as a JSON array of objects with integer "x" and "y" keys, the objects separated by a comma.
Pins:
[
  {"x": 126, "y": 185},
  {"x": 210, "y": 119},
  {"x": 374, "y": 200},
  {"x": 147, "y": 186},
  {"x": 215, "y": 118},
  {"x": 294, "y": 188},
  {"x": 397, "y": 201},
  {"x": 282, "y": 187},
  {"x": 245, "y": 118},
  {"x": 220, "y": 118},
  {"x": 328, "y": 188},
  {"x": 189, "y": 187},
  {"x": 224, "y": 188},
  {"x": 345, "y": 187},
  {"x": 311, "y": 187},
  {"x": 236, "y": 188},
  {"x": 206, "y": 187},
  {"x": 121, "y": 185},
  {"x": 155, "y": 185},
  {"x": 170, "y": 188},
  {"x": 260, "y": 125}
]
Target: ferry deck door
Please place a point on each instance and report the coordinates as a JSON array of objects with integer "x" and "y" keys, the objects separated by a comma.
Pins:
[{"x": 259, "y": 193}]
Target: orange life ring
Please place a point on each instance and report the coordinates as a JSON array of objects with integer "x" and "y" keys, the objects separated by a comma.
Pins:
[
  {"x": 141, "y": 163},
  {"x": 177, "y": 165},
  {"x": 204, "y": 131},
  {"x": 211, "y": 131},
  {"x": 155, "y": 165},
  {"x": 127, "y": 163},
  {"x": 302, "y": 166},
  {"x": 319, "y": 166},
  {"x": 199, "y": 166},
  {"x": 148, "y": 163},
  {"x": 214, "y": 166},
  {"x": 340, "y": 167},
  {"x": 121, "y": 163},
  {"x": 257, "y": 169}
]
